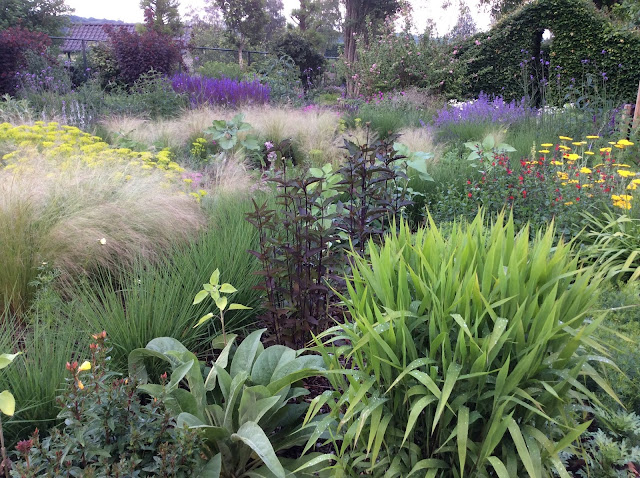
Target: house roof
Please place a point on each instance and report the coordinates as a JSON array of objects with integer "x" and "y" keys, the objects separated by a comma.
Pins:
[
  {"x": 95, "y": 32},
  {"x": 89, "y": 32}
]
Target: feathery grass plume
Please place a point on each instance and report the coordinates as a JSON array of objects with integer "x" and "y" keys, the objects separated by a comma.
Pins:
[{"x": 79, "y": 217}]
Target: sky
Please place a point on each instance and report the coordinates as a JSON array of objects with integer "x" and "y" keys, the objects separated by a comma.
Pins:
[{"x": 129, "y": 11}]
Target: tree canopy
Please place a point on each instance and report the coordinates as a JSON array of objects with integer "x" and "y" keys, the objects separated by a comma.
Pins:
[{"x": 46, "y": 16}]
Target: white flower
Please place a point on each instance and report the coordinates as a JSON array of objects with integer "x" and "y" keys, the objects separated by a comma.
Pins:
[{"x": 103, "y": 241}]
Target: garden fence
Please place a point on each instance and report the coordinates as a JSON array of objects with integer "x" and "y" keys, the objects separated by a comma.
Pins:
[{"x": 84, "y": 44}]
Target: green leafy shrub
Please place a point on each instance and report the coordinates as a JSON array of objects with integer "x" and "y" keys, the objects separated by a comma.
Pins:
[
  {"x": 108, "y": 430},
  {"x": 154, "y": 90},
  {"x": 219, "y": 69},
  {"x": 247, "y": 406},
  {"x": 621, "y": 301},
  {"x": 613, "y": 239},
  {"x": 462, "y": 353},
  {"x": 310, "y": 62}
]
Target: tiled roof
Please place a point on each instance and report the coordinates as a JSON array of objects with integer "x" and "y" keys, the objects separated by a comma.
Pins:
[
  {"x": 95, "y": 32},
  {"x": 89, "y": 32}
]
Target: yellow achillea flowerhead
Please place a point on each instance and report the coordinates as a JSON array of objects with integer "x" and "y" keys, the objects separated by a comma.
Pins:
[
  {"x": 593, "y": 136},
  {"x": 544, "y": 151},
  {"x": 569, "y": 203},
  {"x": 625, "y": 142},
  {"x": 590, "y": 153},
  {"x": 585, "y": 170},
  {"x": 572, "y": 156},
  {"x": 564, "y": 148},
  {"x": 565, "y": 138},
  {"x": 546, "y": 145},
  {"x": 625, "y": 174},
  {"x": 605, "y": 150},
  {"x": 557, "y": 163}
]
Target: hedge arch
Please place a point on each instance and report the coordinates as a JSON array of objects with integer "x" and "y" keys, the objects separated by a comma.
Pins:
[{"x": 584, "y": 44}]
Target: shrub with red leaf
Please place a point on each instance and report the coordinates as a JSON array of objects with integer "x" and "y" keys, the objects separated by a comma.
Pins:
[
  {"x": 139, "y": 53},
  {"x": 14, "y": 43}
]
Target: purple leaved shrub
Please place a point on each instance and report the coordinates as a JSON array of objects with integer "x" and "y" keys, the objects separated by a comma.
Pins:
[{"x": 220, "y": 91}]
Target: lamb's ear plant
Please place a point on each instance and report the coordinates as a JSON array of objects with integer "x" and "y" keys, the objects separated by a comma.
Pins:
[
  {"x": 247, "y": 404},
  {"x": 7, "y": 407},
  {"x": 215, "y": 290}
]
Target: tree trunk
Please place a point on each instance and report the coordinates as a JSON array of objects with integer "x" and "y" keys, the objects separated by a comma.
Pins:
[
  {"x": 302, "y": 16},
  {"x": 350, "y": 24},
  {"x": 240, "y": 59}
]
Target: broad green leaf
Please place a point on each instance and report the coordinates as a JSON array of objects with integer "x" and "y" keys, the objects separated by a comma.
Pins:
[
  {"x": 501, "y": 470},
  {"x": 203, "y": 319},
  {"x": 235, "y": 306},
  {"x": 7, "y": 403},
  {"x": 449, "y": 382},
  {"x": 215, "y": 277},
  {"x": 179, "y": 373},
  {"x": 6, "y": 359},
  {"x": 221, "y": 302},
  {"x": 246, "y": 353},
  {"x": 416, "y": 410},
  {"x": 200, "y": 296},
  {"x": 254, "y": 437},
  {"x": 227, "y": 288},
  {"x": 213, "y": 468},
  {"x": 523, "y": 451},
  {"x": 462, "y": 429},
  {"x": 268, "y": 361}
]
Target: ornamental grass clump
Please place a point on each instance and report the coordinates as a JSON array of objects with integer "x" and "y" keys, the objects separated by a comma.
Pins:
[
  {"x": 71, "y": 201},
  {"x": 464, "y": 354}
]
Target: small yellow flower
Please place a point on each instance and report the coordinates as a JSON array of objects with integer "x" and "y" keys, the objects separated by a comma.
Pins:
[
  {"x": 585, "y": 170},
  {"x": 86, "y": 365},
  {"x": 557, "y": 163},
  {"x": 593, "y": 136},
  {"x": 625, "y": 142},
  {"x": 546, "y": 145},
  {"x": 622, "y": 204},
  {"x": 632, "y": 186},
  {"x": 605, "y": 150},
  {"x": 572, "y": 156},
  {"x": 590, "y": 153},
  {"x": 564, "y": 148},
  {"x": 570, "y": 203},
  {"x": 80, "y": 385},
  {"x": 625, "y": 174},
  {"x": 579, "y": 143},
  {"x": 544, "y": 151},
  {"x": 565, "y": 138}
]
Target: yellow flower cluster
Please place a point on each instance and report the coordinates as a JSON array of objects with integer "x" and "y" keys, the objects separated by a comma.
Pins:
[
  {"x": 63, "y": 143},
  {"x": 608, "y": 176}
]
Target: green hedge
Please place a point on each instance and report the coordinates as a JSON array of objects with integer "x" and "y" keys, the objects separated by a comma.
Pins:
[{"x": 580, "y": 32}]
